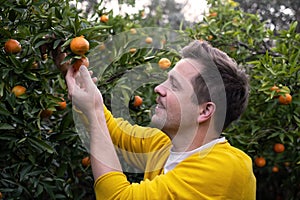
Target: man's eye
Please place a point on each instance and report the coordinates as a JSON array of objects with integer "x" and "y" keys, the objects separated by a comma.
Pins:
[{"x": 174, "y": 84}]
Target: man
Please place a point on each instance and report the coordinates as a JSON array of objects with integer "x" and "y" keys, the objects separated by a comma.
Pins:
[{"x": 184, "y": 157}]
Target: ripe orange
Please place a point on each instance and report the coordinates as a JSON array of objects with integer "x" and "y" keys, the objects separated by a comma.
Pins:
[
  {"x": 285, "y": 99},
  {"x": 275, "y": 88},
  {"x": 1, "y": 196},
  {"x": 12, "y": 46},
  {"x": 79, "y": 45},
  {"x": 46, "y": 113},
  {"x": 275, "y": 169},
  {"x": 210, "y": 37},
  {"x": 132, "y": 50},
  {"x": 260, "y": 161},
  {"x": 18, "y": 90},
  {"x": 213, "y": 14},
  {"x": 104, "y": 18},
  {"x": 148, "y": 40},
  {"x": 137, "y": 101},
  {"x": 164, "y": 63},
  {"x": 61, "y": 105},
  {"x": 82, "y": 61},
  {"x": 86, "y": 161},
  {"x": 278, "y": 148},
  {"x": 133, "y": 31}
]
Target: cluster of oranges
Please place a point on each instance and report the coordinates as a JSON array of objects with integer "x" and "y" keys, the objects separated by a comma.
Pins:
[
  {"x": 19, "y": 90},
  {"x": 163, "y": 63},
  {"x": 260, "y": 161},
  {"x": 13, "y": 46},
  {"x": 283, "y": 99}
]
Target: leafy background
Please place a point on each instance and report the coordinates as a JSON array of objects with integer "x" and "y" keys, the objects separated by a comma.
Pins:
[{"x": 40, "y": 157}]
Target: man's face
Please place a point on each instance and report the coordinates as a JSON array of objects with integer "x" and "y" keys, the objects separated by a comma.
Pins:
[{"x": 175, "y": 108}]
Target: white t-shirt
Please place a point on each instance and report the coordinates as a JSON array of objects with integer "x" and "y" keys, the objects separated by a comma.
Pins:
[{"x": 176, "y": 157}]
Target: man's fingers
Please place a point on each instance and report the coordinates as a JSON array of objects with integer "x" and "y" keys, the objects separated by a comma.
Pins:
[
  {"x": 86, "y": 77},
  {"x": 71, "y": 83}
]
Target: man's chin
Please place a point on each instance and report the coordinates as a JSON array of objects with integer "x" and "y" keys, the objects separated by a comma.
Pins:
[{"x": 157, "y": 122}]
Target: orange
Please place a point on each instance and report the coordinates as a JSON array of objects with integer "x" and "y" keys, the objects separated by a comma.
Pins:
[
  {"x": 133, "y": 31},
  {"x": 278, "y": 148},
  {"x": 275, "y": 88},
  {"x": 18, "y": 90},
  {"x": 132, "y": 50},
  {"x": 79, "y": 45},
  {"x": 260, "y": 161},
  {"x": 148, "y": 40},
  {"x": 210, "y": 37},
  {"x": 285, "y": 99},
  {"x": 46, "y": 113},
  {"x": 12, "y": 46},
  {"x": 86, "y": 161},
  {"x": 82, "y": 61},
  {"x": 137, "y": 101},
  {"x": 213, "y": 14},
  {"x": 164, "y": 63},
  {"x": 61, "y": 105},
  {"x": 104, "y": 18},
  {"x": 1, "y": 196},
  {"x": 275, "y": 169}
]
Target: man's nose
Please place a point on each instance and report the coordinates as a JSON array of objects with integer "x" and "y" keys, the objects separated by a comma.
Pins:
[{"x": 160, "y": 90}]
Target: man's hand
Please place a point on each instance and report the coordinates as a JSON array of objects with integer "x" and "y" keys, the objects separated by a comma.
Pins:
[{"x": 83, "y": 92}]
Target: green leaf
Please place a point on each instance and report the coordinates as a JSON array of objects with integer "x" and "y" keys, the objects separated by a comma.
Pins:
[
  {"x": 92, "y": 29},
  {"x": 31, "y": 76},
  {"x": 3, "y": 110},
  {"x": 57, "y": 13},
  {"x": 5, "y": 126},
  {"x": 41, "y": 145},
  {"x": 24, "y": 172},
  {"x": 40, "y": 43},
  {"x": 56, "y": 43}
]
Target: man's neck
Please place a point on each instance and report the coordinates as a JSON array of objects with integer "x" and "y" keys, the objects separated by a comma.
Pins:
[{"x": 189, "y": 140}]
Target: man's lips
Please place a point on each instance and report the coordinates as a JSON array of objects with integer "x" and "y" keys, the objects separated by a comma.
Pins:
[{"x": 159, "y": 103}]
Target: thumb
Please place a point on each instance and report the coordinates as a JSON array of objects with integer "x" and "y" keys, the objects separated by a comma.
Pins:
[{"x": 85, "y": 76}]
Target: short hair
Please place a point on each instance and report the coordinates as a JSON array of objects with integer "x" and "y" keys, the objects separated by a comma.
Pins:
[{"x": 215, "y": 63}]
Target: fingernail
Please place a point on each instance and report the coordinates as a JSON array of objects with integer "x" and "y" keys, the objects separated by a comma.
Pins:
[{"x": 81, "y": 68}]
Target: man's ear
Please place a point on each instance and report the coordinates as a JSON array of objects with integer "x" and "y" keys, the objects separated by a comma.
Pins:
[{"x": 206, "y": 110}]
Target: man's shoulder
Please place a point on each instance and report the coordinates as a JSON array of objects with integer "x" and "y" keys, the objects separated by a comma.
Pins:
[{"x": 222, "y": 155}]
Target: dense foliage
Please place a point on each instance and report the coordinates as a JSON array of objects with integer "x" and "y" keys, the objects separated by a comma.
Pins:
[{"x": 41, "y": 153}]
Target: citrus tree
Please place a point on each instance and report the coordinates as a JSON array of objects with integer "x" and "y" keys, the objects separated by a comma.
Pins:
[
  {"x": 269, "y": 130},
  {"x": 43, "y": 157}
]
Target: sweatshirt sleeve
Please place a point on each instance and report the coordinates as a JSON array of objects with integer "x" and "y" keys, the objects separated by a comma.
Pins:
[{"x": 135, "y": 143}]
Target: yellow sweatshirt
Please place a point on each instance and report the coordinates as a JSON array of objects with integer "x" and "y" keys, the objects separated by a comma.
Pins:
[{"x": 218, "y": 172}]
